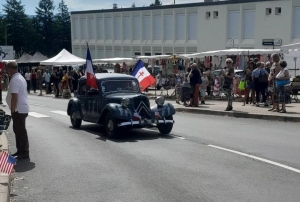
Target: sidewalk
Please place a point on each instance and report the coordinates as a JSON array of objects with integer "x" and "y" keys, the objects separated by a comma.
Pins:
[{"x": 217, "y": 107}]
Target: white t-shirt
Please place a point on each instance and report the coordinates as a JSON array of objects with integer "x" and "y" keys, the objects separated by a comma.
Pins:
[
  {"x": 47, "y": 76},
  {"x": 28, "y": 76},
  {"x": 18, "y": 85}
]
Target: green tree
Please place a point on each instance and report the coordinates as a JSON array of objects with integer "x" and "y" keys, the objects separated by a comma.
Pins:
[
  {"x": 2, "y": 30},
  {"x": 133, "y": 5},
  {"x": 63, "y": 27},
  {"x": 16, "y": 24},
  {"x": 45, "y": 21},
  {"x": 156, "y": 3}
]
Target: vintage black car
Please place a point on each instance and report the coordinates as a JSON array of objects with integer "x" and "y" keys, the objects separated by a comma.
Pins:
[{"x": 117, "y": 104}]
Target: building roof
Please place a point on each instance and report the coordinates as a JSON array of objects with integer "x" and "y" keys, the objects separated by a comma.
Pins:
[{"x": 214, "y": 3}]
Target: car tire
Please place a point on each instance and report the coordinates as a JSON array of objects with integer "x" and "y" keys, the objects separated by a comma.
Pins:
[
  {"x": 111, "y": 126},
  {"x": 165, "y": 129},
  {"x": 76, "y": 123}
]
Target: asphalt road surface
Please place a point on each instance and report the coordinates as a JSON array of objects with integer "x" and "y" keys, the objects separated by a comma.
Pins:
[{"x": 206, "y": 158}]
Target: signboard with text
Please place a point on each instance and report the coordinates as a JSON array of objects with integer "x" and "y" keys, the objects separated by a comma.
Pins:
[
  {"x": 271, "y": 42},
  {"x": 7, "y": 52}
]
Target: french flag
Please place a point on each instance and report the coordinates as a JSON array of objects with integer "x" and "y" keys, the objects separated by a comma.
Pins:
[
  {"x": 89, "y": 72},
  {"x": 141, "y": 73}
]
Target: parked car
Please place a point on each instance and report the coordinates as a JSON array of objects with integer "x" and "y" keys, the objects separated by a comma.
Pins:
[{"x": 118, "y": 103}]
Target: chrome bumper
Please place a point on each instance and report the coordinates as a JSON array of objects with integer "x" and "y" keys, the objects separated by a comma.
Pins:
[{"x": 144, "y": 122}]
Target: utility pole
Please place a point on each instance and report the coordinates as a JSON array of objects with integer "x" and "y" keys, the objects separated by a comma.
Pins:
[{"x": 174, "y": 2}]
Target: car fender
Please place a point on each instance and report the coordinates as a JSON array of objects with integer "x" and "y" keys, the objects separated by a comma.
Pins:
[
  {"x": 165, "y": 110},
  {"x": 117, "y": 111},
  {"x": 74, "y": 102}
]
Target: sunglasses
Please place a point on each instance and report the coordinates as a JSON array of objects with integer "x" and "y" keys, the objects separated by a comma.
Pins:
[{"x": 228, "y": 62}]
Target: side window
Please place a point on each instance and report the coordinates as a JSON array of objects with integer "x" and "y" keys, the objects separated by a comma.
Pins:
[{"x": 82, "y": 88}]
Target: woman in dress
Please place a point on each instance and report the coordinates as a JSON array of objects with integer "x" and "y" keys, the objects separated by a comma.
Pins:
[
  {"x": 275, "y": 69},
  {"x": 39, "y": 80},
  {"x": 249, "y": 84},
  {"x": 282, "y": 93}
]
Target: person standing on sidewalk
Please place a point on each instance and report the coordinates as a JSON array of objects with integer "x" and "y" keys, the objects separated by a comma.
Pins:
[
  {"x": 28, "y": 79},
  {"x": 33, "y": 80},
  {"x": 17, "y": 101},
  {"x": 228, "y": 81},
  {"x": 55, "y": 75},
  {"x": 46, "y": 78}
]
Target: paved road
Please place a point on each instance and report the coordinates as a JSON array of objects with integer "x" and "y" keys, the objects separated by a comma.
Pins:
[{"x": 83, "y": 165}]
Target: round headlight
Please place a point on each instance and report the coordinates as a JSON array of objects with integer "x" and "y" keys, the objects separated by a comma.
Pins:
[
  {"x": 160, "y": 100},
  {"x": 125, "y": 102}
]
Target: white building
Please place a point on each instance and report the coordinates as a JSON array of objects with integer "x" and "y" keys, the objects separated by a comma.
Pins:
[{"x": 186, "y": 28}]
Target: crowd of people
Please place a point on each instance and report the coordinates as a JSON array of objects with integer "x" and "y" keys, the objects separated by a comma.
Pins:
[
  {"x": 37, "y": 79},
  {"x": 262, "y": 83}
]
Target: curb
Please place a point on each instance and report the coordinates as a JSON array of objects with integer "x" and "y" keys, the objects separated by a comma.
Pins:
[
  {"x": 5, "y": 180},
  {"x": 239, "y": 115}
]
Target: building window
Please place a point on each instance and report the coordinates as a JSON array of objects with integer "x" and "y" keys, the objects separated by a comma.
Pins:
[
  {"x": 136, "y": 28},
  {"x": 193, "y": 26},
  {"x": 169, "y": 27},
  {"x": 147, "y": 54},
  {"x": 216, "y": 14},
  {"x": 108, "y": 28},
  {"x": 180, "y": 26},
  {"x": 277, "y": 11},
  {"x": 233, "y": 24},
  {"x": 296, "y": 22},
  {"x": 157, "y": 27},
  {"x": 207, "y": 15},
  {"x": 146, "y": 28},
  {"x": 249, "y": 24},
  {"x": 137, "y": 53},
  {"x": 268, "y": 11},
  {"x": 126, "y": 28}
]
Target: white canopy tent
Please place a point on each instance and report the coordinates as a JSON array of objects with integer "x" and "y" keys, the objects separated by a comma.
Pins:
[
  {"x": 64, "y": 58},
  {"x": 290, "y": 47},
  {"x": 292, "y": 56},
  {"x": 234, "y": 52},
  {"x": 152, "y": 57},
  {"x": 113, "y": 60}
]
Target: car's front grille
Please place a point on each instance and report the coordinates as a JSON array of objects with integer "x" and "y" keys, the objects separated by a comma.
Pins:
[{"x": 142, "y": 106}]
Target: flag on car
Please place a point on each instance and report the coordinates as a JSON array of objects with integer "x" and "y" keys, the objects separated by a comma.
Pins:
[
  {"x": 89, "y": 72},
  {"x": 136, "y": 116},
  {"x": 141, "y": 73},
  {"x": 7, "y": 162}
]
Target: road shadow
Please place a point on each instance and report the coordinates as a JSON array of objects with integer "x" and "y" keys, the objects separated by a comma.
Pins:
[
  {"x": 126, "y": 135},
  {"x": 24, "y": 165}
]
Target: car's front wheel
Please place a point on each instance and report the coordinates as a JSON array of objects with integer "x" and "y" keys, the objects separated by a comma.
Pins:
[
  {"x": 111, "y": 126},
  {"x": 165, "y": 129},
  {"x": 76, "y": 123}
]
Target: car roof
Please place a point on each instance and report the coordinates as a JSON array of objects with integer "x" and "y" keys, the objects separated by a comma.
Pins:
[{"x": 100, "y": 76}]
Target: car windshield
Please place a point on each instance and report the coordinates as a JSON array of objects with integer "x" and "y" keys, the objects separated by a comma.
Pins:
[{"x": 120, "y": 86}]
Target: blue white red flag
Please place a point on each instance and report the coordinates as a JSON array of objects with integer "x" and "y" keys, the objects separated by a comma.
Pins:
[
  {"x": 89, "y": 72},
  {"x": 141, "y": 73},
  {"x": 7, "y": 162}
]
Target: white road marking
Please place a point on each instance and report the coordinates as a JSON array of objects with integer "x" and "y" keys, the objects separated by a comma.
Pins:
[
  {"x": 60, "y": 112},
  {"x": 37, "y": 115},
  {"x": 39, "y": 105},
  {"x": 257, "y": 158}
]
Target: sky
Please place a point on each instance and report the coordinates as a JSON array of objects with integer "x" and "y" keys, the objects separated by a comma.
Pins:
[{"x": 77, "y": 5}]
